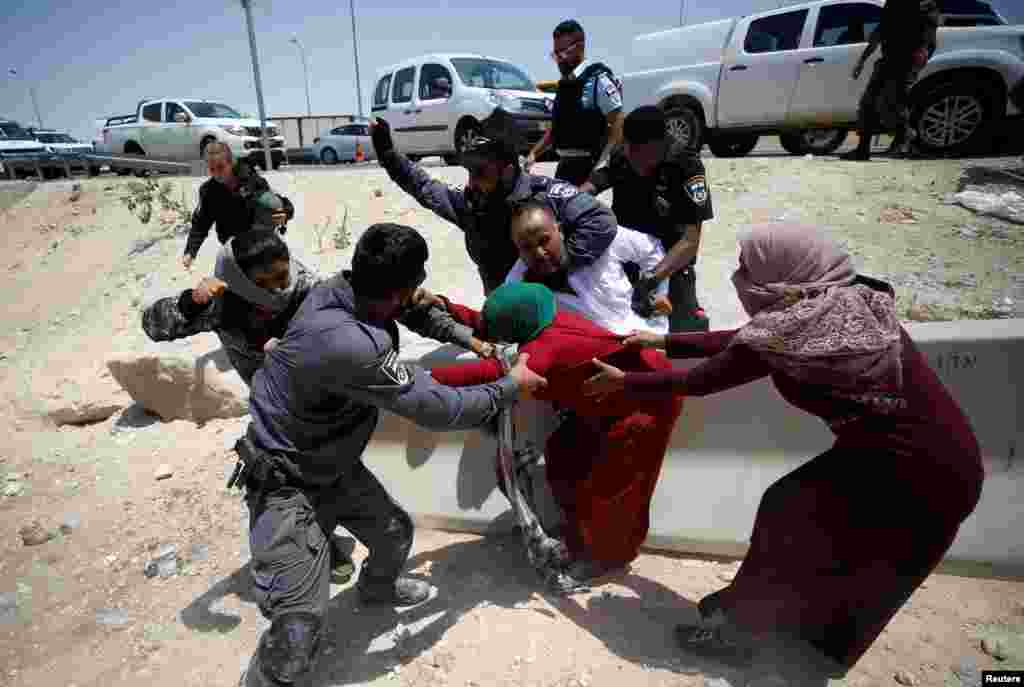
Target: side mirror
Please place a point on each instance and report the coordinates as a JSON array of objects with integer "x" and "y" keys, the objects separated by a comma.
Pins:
[{"x": 182, "y": 118}]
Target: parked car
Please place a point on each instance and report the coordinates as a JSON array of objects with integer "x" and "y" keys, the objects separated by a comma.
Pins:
[
  {"x": 434, "y": 103},
  {"x": 16, "y": 142},
  {"x": 62, "y": 147},
  {"x": 179, "y": 129},
  {"x": 787, "y": 72},
  {"x": 339, "y": 144},
  {"x": 969, "y": 13}
]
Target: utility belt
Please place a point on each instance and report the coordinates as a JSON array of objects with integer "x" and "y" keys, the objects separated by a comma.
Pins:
[
  {"x": 574, "y": 152},
  {"x": 262, "y": 471}
]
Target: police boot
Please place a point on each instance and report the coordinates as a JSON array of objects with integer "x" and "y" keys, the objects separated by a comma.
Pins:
[
  {"x": 286, "y": 652},
  {"x": 403, "y": 591},
  {"x": 862, "y": 152}
]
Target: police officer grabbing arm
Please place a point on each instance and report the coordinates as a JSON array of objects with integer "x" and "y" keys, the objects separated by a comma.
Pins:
[{"x": 660, "y": 189}]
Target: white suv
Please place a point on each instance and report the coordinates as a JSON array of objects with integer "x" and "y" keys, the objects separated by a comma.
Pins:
[{"x": 435, "y": 102}]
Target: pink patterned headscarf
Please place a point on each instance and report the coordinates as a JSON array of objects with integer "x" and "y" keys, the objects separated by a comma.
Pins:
[{"x": 808, "y": 318}]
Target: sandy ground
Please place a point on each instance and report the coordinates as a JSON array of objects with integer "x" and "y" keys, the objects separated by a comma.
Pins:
[{"x": 79, "y": 611}]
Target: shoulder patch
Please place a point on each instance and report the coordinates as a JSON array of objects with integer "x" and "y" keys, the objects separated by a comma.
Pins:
[
  {"x": 697, "y": 189},
  {"x": 393, "y": 370},
  {"x": 562, "y": 190}
]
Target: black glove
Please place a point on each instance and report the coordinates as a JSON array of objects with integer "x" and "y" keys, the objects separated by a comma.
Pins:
[
  {"x": 643, "y": 295},
  {"x": 381, "y": 136}
]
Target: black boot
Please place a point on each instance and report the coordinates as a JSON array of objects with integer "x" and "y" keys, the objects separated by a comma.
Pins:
[
  {"x": 405, "y": 591},
  {"x": 862, "y": 153}
]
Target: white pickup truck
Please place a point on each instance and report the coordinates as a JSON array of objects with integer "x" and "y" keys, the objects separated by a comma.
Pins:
[
  {"x": 179, "y": 129},
  {"x": 787, "y": 72}
]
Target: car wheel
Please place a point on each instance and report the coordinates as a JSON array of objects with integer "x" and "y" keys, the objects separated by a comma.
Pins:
[
  {"x": 464, "y": 134},
  {"x": 813, "y": 141},
  {"x": 94, "y": 171},
  {"x": 202, "y": 147},
  {"x": 685, "y": 127},
  {"x": 277, "y": 164},
  {"x": 732, "y": 145},
  {"x": 329, "y": 156},
  {"x": 954, "y": 117}
]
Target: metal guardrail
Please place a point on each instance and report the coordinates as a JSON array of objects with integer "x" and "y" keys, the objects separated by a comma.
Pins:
[{"x": 93, "y": 162}]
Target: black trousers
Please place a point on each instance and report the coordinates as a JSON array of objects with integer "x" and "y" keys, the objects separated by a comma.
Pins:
[
  {"x": 575, "y": 170},
  {"x": 290, "y": 532},
  {"x": 885, "y": 104}
]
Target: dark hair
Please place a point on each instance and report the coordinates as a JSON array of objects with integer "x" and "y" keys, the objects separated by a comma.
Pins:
[
  {"x": 388, "y": 257},
  {"x": 258, "y": 249},
  {"x": 524, "y": 207},
  {"x": 568, "y": 27},
  {"x": 645, "y": 124}
]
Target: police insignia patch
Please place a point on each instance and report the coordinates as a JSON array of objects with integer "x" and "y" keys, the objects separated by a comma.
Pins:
[
  {"x": 697, "y": 189},
  {"x": 562, "y": 191},
  {"x": 393, "y": 370}
]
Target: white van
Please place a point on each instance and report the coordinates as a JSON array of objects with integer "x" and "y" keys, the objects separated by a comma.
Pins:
[{"x": 435, "y": 102}]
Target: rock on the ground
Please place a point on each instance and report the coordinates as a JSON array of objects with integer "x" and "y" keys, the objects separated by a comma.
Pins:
[
  {"x": 34, "y": 534},
  {"x": 90, "y": 396},
  {"x": 994, "y": 648},
  {"x": 199, "y": 552},
  {"x": 12, "y": 489},
  {"x": 70, "y": 522},
  {"x": 112, "y": 617},
  {"x": 179, "y": 386},
  {"x": 905, "y": 677},
  {"x": 165, "y": 564},
  {"x": 8, "y": 606},
  {"x": 163, "y": 472}
]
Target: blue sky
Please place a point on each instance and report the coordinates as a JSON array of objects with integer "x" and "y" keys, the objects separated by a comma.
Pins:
[{"x": 102, "y": 57}]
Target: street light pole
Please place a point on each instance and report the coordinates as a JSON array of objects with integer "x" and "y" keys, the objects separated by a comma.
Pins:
[
  {"x": 32, "y": 94},
  {"x": 246, "y": 5},
  {"x": 355, "y": 51},
  {"x": 305, "y": 72}
]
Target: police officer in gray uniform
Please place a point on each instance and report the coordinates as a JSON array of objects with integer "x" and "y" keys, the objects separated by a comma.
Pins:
[
  {"x": 315, "y": 403},
  {"x": 587, "y": 121},
  {"x": 660, "y": 189},
  {"x": 483, "y": 210}
]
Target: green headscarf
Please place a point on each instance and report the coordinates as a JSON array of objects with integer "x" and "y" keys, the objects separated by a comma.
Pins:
[{"x": 517, "y": 313}]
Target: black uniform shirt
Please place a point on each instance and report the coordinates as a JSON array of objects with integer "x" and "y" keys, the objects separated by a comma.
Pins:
[{"x": 662, "y": 204}]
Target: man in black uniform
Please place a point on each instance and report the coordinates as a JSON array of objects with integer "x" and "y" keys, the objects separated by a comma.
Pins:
[
  {"x": 233, "y": 198},
  {"x": 907, "y": 34},
  {"x": 315, "y": 404},
  {"x": 496, "y": 184},
  {"x": 660, "y": 189},
  {"x": 587, "y": 120}
]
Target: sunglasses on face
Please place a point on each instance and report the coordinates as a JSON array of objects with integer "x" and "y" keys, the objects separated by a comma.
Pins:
[{"x": 565, "y": 53}]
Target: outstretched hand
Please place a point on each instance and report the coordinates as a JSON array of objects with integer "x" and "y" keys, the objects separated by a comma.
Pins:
[
  {"x": 642, "y": 339},
  {"x": 208, "y": 289},
  {"x": 608, "y": 380},
  {"x": 528, "y": 381}
]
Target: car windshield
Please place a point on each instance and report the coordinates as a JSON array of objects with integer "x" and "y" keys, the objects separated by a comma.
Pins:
[
  {"x": 55, "y": 138},
  {"x": 482, "y": 73},
  {"x": 11, "y": 130},
  {"x": 212, "y": 110},
  {"x": 974, "y": 8}
]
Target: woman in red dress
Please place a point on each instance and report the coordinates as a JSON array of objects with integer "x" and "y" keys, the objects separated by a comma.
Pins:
[
  {"x": 603, "y": 462},
  {"x": 842, "y": 542}
]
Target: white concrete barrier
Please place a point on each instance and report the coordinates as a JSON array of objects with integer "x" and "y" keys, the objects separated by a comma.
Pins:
[{"x": 728, "y": 448}]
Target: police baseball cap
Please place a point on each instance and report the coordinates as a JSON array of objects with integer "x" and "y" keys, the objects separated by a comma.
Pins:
[
  {"x": 497, "y": 139},
  {"x": 645, "y": 124}
]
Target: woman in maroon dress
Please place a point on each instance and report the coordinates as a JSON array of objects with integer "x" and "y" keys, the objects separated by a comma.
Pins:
[
  {"x": 603, "y": 462},
  {"x": 842, "y": 542}
]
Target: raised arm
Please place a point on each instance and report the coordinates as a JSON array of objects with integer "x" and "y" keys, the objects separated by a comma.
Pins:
[
  {"x": 443, "y": 200},
  {"x": 202, "y": 220}
]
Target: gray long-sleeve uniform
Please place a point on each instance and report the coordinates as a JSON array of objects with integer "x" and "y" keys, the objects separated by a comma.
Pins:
[
  {"x": 588, "y": 225},
  {"x": 316, "y": 400}
]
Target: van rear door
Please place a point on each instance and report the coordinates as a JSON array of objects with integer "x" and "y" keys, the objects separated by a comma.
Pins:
[{"x": 402, "y": 110}]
